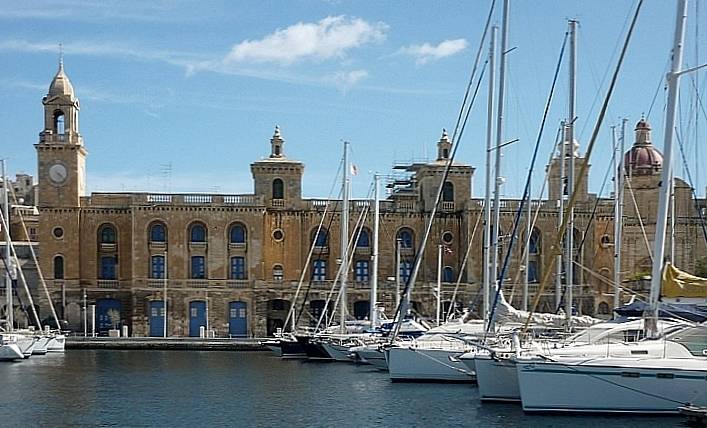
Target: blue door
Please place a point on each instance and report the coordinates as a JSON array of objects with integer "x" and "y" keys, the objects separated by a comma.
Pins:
[
  {"x": 157, "y": 318},
  {"x": 197, "y": 317},
  {"x": 107, "y": 314},
  {"x": 238, "y": 319}
]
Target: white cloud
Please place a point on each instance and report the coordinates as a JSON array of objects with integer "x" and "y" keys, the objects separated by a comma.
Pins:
[
  {"x": 346, "y": 79},
  {"x": 329, "y": 38},
  {"x": 426, "y": 52}
]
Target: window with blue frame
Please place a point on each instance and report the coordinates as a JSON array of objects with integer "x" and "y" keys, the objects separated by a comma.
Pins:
[
  {"x": 198, "y": 267},
  {"x": 405, "y": 270},
  {"x": 533, "y": 271},
  {"x": 237, "y": 234},
  {"x": 319, "y": 270},
  {"x": 197, "y": 233},
  {"x": 364, "y": 240},
  {"x": 107, "y": 267},
  {"x": 448, "y": 274},
  {"x": 107, "y": 234},
  {"x": 321, "y": 238},
  {"x": 405, "y": 238},
  {"x": 158, "y": 233},
  {"x": 361, "y": 271},
  {"x": 157, "y": 267},
  {"x": 238, "y": 268}
]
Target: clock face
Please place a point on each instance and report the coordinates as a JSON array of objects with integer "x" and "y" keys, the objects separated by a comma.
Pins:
[{"x": 57, "y": 173}]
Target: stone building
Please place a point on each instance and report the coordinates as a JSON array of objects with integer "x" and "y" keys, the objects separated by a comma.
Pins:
[{"x": 232, "y": 263}]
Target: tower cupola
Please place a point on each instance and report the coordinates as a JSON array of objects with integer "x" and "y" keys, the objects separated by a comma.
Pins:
[
  {"x": 444, "y": 147},
  {"x": 643, "y": 158},
  {"x": 276, "y": 143}
]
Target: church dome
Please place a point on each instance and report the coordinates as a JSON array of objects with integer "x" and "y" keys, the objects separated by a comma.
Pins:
[
  {"x": 643, "y": 158},
  {"x": 61, "y": 84}
]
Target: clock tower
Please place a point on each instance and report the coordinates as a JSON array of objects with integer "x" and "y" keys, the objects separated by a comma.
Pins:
[{"x": 61, "y": 155}]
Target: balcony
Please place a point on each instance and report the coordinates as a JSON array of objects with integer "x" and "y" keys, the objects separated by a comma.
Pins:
[
  {"x": 107, "y": 283},
  {"x": 197, "y": 283},
  {"x": 156, "y": 283},
  {"x": 278, "y": 203},
  {"x": 237, "y": 283},
  {"x": 447, "y": 206}
]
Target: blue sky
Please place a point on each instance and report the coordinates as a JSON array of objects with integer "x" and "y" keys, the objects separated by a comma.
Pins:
[{"x": 200, "y": 85}]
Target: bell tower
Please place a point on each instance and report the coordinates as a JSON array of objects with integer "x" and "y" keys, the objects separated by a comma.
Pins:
[
  {"x": 278, "y": 179},
  {"x": 61, "y": 155}
]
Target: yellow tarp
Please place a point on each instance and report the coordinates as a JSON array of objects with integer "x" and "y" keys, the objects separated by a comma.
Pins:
[{"x": 677, "y": 283}]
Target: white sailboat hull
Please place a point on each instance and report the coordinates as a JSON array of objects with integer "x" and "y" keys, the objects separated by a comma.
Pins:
[
  {"x": 613, "y": 385},
  {"x": 337, "y": 352},
  {"x": 40, "y": 348},
  {"x": 410, "y": 364},
  {"x": 497, "y": 378},
  {"x": 57, "y": 343},
  {"x": 10, "y": 352}
]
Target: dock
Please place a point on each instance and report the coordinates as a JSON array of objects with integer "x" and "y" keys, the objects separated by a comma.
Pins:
[{"x": 169, "y": 343}]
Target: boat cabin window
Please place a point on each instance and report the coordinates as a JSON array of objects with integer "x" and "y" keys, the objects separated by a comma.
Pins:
[{"x": 693, "y": 338}]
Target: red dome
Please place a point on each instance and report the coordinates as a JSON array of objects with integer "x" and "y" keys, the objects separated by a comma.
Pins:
[{"x": 643, "y": 158}]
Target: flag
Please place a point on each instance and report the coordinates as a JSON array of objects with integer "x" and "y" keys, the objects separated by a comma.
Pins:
[{"x": 354, "y": 169}]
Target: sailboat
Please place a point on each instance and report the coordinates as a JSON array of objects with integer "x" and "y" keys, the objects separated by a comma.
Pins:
[{"x": 640, "y": 383}]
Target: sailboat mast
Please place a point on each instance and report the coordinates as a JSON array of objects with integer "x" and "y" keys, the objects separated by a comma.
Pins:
[
  {"x": 619, "y": 218},
  {"x": 374, "y": 274},
  {"x": 569, "y": 270},
  {"x": 487, "y": 197},
  {"x": 499, "y": 141},
  {"x": 526, "y": 255},
  {"x": 344, "y": 235},
  {"x": 560, "y": 214},
  {"x": 673, "y": 80},
  {"x": 9, "y": 311}
]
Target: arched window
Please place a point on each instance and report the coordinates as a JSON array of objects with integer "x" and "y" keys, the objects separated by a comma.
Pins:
[
  {"x": 364, "y": 240},
  {"x": 237, "y": 234},
  {"x": 447, "y": 192},
  {"x": 158, "y": 233},
  {"x": 107, "y": 267},
  {"x": 238, "y": 270},
  {"x": 319, "y": 270},
  {"x": 534, "y": 246},
  {"x": 405, "y": 270},
  {"x": 361, "y": 271},
  {"x": 278, "y": 189},
  {"x": 58, "y": 267},
  {"x": 405, "y": 238},
  {"x": 157, "y": 267},
  {"x": 277, "y": 273},
  {"x": 197, "y": 233},
  {"x": 603, "y": 308},
  {"x": 106, "y": 234},
  {"x": 448, "y": 274},
  {"x": 59, "y": 125},
  {"x": 198, "y": 267},
  {"x": 321, "y": 238}
]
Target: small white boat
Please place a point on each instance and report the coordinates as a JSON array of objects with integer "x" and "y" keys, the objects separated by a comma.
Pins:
[{"x": 57, "y": 343}]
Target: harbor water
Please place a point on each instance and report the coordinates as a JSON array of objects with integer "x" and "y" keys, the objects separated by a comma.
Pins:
[{"x": 248, "y": 389}]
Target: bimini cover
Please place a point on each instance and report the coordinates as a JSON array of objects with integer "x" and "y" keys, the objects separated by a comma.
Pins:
[{"x": 677, "y": 283}]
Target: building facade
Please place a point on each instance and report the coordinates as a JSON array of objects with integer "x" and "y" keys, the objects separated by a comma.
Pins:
[{"x": 231, "y": 263}]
